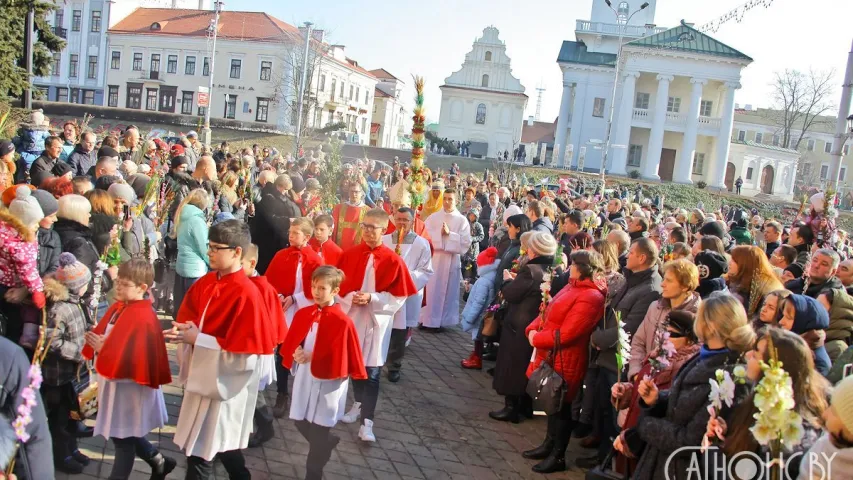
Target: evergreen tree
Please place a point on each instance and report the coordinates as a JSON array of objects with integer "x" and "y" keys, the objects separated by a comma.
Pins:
[{"x": 13, "y": 19}]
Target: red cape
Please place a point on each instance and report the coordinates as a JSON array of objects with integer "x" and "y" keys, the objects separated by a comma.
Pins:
[
  {"x": 135, "y": 348},
  {"x": 235, "y": 313},
  {"x": 273, "y": 305},
  {"x": 391, "y": 273},
  {"x": 337, "y": 352},
  {"x": 281, "y": 272},
  {"x": 329, "y": 251}
]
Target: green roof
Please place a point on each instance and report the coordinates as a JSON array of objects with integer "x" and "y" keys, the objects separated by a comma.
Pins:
[
  {"x": 575, "y": 52},
  {"x": 764, "y": 145},
  {"x": 688, "y": 39}
]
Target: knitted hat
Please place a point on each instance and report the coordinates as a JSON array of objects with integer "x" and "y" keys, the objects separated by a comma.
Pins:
[
  {"x": 107, "y": 152},
  {"x": 6, "y": 147},
  {"x": 842, "y": 401},
  {"x": 487, "y": 257},
  {"x": 176, "y": 151},
  {"x": 104, "y": 182},
  {"x": 682, "y": 321},
  {"x": 9, "y": 193},
  {"x": 60, "y": 169},
  {"x": 511, "y": 210},
  {"x": 25, "y": 207},
  {"x": 713, "y": 228},
  {"x": 47, "y": 202},
  {"x": 71, "y": 273},
  {"x": 543, "y": 244},
  {"x": 298, "y": 183},
  {"x": 138, "y": 182},
  {"x": 123, "y": 191},
  {"x": 796, "y": 269},
  {"x": 178, "y": 160},
  {"x": 711, "y": 265}
]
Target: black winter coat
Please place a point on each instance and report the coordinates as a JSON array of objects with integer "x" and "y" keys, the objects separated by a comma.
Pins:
[
  {"x": 50, "y": 246},
  {"x": 81, "y": 162},
  {"x": 508, "y": 257},
  {"x": 270, "y": 230},
  {"x": 77, "y": 239}
]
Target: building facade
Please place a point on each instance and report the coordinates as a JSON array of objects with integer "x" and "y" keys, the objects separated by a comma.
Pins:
[
  {"x": 483, "y": 103},
  {"x": 391, "y": 117},
  {"x": 78, "y": 74},
  {"x": 674, "y": 101}
]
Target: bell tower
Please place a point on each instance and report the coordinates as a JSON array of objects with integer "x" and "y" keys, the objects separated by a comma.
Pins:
[{"x": 601, "y": 12}]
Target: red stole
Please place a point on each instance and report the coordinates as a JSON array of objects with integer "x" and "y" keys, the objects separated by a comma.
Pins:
[
  {"x": 233, "y": 313},
  {"x": 281, "y": 272},
  {"x": 135, "y": 348},
  {"x": 328, "y": 251},
  {"x": 347, "y": 224},
  {"x": 273, "y": 305},
  {"x": 337, "y": 352},
  {"x": 391, "y": 273}
]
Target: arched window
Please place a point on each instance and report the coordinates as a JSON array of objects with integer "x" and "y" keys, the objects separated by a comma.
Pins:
[
  {"x": 481, "y": 114},
  {"x": 488, "y": 56},
  {"x": 485, "y": 82},
  {"x": 622, "y": 11}
]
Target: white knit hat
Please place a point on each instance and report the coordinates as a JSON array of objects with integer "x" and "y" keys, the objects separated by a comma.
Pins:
[
  {"x": 542, "y": 243},
  {"x": 842, "y": 401},
  {"x": 25, "y": 207}
]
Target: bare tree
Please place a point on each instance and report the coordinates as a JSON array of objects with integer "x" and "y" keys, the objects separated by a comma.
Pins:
[
  {"x": 288, "y": 79},
  {"x": 800, "y": 100}
]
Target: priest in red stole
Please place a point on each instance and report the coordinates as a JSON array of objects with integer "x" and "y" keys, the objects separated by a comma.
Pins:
[
  {"x": 321, "y": 241},
  {"x": 348, "y": 217},
  {"x": 224, "y": 329},
  {"x": 376, "y": 285}
]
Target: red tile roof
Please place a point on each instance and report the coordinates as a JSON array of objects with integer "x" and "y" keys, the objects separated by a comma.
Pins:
[
  {"x": 382, "y": 73},
  {"x": 240, "y": 26},
  {"x": 538, "y": 132}
]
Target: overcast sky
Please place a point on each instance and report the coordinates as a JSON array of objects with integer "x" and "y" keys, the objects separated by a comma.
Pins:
[{"x": 409, "y": 37}]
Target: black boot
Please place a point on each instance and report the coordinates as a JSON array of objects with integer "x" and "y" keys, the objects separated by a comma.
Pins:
[
  {"x": 542, "y": 451},
  {"x": 490, "y": 353},
  {"x": 510, "y": 411},
  {"x": 556, "y": 461},
  {"x": 160, "y": 466},
  {"x": 526, "y": 406}
]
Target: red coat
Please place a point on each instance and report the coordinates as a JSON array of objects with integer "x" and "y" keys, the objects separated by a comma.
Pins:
[{"x": 575, "y": 311}]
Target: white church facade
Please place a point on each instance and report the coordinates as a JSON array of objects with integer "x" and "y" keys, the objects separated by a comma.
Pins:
[
  {"x": 674, "y": 101},
  {"x": 483, "y": 103}
]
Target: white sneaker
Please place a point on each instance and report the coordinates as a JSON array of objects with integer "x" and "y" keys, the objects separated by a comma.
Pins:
[
  {"x": 365, "y": 432},
  {"x": 353, "y": 414}
]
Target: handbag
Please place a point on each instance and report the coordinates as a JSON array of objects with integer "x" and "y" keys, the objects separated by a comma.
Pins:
[
  {"x": 86, "y": 388},
  {"x": 546, "y": 387},
  {"x": 604, "y": 471},
  {"x": 490, "y": 324}
]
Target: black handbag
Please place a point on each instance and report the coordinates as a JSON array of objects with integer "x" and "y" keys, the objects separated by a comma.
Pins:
[
  {"x": 546, "y": 387},
  {"x": 604, "y": 471}
]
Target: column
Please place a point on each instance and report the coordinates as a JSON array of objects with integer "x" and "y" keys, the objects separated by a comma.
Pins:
[
  {"x": 684, "y": 166},
  {"x": 622, "y": 132},
  {"x": 724, "y": 135},
  {"x": 792, "y": 179},
  {"x": 563, "y": 123},
  {"x": 650, "y": 169},
  {"x": 577, "y": 116}
]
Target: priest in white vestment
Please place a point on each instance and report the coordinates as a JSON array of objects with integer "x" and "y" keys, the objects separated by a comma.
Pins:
[{"x": 451, "y": 237}]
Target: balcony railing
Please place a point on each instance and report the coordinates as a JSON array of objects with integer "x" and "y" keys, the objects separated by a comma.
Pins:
[
  {"x": 709, "y": 122},
  {"x": 60, "y": 32},
  {"x": 676, "y": 120},
  {"x": 601, "y": 28},
  {"x": 643, "y": 114}
]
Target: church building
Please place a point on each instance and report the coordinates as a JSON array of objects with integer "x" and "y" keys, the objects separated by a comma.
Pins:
[{"x": 483, "y": 103}]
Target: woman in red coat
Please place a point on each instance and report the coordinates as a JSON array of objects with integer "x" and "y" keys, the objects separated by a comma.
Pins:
[{"x": 574, "y": 312}]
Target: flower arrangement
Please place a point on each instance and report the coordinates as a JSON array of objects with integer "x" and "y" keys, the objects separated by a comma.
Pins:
[
  {"x": 661, "y": 356},
  {"x": 418, "y": 183},
  {"x": 623, "y": 347},
  {"x": 516, "y": 265},
  {"x": 722, "y": 393},
  {"x": 545, "y": 287}
]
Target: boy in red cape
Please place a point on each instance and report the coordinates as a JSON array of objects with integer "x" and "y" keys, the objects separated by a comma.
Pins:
[
  {"x": 323, "y": 341},
  {"x": 132, "y": 363},
  {"x": 290, "y": 273},
  {"x": 225, "y": 332},
  {"x": 320, "y": 242},
  {"x": 376, "y": 285},
  {"x": 269, "y": 365}
]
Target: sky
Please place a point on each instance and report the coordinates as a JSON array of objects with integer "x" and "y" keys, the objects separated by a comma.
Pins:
[{"x": 431, "y": 39}]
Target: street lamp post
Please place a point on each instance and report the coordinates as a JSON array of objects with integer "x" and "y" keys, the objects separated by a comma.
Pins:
[
  {"x": 302, "y": 87},
  {"x": 205, "y": 131},
  {"x": 622, "y": 24}
]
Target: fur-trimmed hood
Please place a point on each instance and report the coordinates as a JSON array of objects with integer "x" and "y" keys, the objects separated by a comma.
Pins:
[
  {"x": 15, "y": 224},
  {"x": 55, "y": 291}
]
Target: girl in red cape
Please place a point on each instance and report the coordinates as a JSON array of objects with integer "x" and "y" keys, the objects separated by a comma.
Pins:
[{"x": 130, "y": 356}]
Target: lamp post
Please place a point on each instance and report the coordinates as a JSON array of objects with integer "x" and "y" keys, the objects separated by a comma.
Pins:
[
  {"x": 302, "y": 87},
  {"x": 205, "y": 131},
  {"x": 622, "y": 21}
]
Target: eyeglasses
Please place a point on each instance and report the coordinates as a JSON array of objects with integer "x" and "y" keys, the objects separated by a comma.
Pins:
[
  {"x": 371, "y": 228},
  {"x": 218, "y": 248}
]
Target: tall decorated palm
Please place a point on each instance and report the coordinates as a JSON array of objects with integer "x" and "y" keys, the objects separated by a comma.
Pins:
[{"x": 418, "y": 181}]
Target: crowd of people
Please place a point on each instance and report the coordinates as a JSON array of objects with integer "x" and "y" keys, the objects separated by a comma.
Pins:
[{"x": 637, "y": 306}]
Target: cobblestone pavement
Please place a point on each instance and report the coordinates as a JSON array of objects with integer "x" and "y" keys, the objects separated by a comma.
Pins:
[{"x": 433, "y": 424}]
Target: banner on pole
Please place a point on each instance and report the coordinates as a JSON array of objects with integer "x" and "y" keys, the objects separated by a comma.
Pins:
[{"x": 203, "y": 96}]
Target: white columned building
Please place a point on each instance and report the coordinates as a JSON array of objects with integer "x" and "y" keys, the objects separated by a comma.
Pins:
[{"x": 674, "y": 98}]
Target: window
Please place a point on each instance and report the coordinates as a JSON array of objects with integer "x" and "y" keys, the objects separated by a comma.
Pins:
[
  {"x": 76, "y": 19},
  {"x": 622, "y": 11},
  {"x": 807, "y": 169},
  {"x": 364, "y": 126},
  {"x": 827, "y": 147},
  {"x": 137, "y": 62},
  {"x": 481, "y": 114},
  {"x": 172, "y": 64},
  {"x": 488, "y": 56},
  {"x": 842, "y": 174},
  {"x": 205, "y": 67},
  {"x": 366, "y": 97},
  {"x": 334, "y": 81},
  {"x": 189, "y": 65},
  {"x": 635, "y": 155},
  {"x": 357, "y": 93},
  {"x": 776, "y": 140},
  {"x": 112, "y": 96},
  {"x": 342, "y": 90},
  {"x": 266, "y": 71},
  {"x": 88, "y": 97},
  {"x": 75, "y": 95},
  {"x": 151, "y": 99},
  {"x": 187, "y": 102},
  {"x": 741, "y": 135},
  {"x": 57, "y": 62},
  {"x": 749, "y": 173},
  {"x": 96, "y": 21},
  {"x": 641, "y": 100},
  {"x": 350, "y": 92},
  {"x": 705, "y": 107},
  {"x": 202, "y": 111},
  {"x": 698, "y": 163},
  {"x": 72, "y": 65},
  {"x": 824, "y": 172},
  {"x": 93, "y": 67},
  {"x": 134, "y": 96},
  {"x": 759, "y": 137},
  {"x": 231, "y": 105},
  {"x": 155, "y": 62},
  {"x": 485, "y": 82},
  {"x": 61, "y": 94},
  {"x": 58, "y": 18},
  {"x": 810, "y": 145},
  {"x": 115, "y": 60},
  {"x": 598, "y": 107},
  {"x": 236, "y": 65},
  {"x": 263, "y": 109},
  {"x": 322, "y": 83},
  {"x": 673, "y": 105}
]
